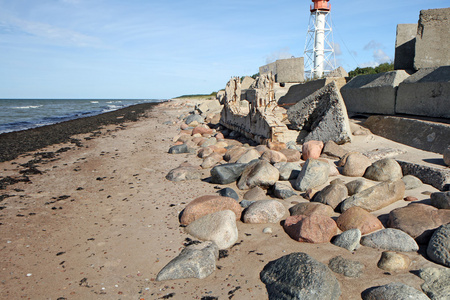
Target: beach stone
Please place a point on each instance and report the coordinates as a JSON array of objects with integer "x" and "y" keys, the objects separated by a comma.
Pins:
[
  {"x": 376, "y": 197},
  {"x": 194, "y": 118},
  {"x": 219, "y": 149},
  {"x": 277, "y": 146},
  {"x": 267, "y": 230},
  {"x": 211, "y": 161},
  {"x": 194, "y": 261},
  {"x": 393, "y": 261},
  {"x": 258, "y": 173},
  {"x": 390, "y": 239},
  {"x": 184, "y": 138},
  {"x": 283, "y": 190},
  {"x": 418, "y": 220},
  {"x": 228, "y": 192},
  {"x": 261, "y": 149},
  {"x": 255, "y": 194},
  {"x": 264, "y": 211},
  {"x": 205, "y": 152},
  {"x": 394, "y": 290},
  {"x": 179, "y": 149},
  {"x": 384, "y": 170},
  {"x": 273, "y": 156},
  {"x": 358, "y": 218},
  {"x": 219, "y": 227},
  {"x": 333, "y": 150},
  {"x": 226, "y": 173},
  {"x": 439, "y": 247},
  {"x": 208, "y": 142},
  {"x": 446, "y": 156},
  {"x": 246, "y": 203},
  {"x": 309, "y": 194},
  {"x": 299, "y": 276},
  {"x": 354, "y": 164},
  {"x": 349, "y": 239},
  {"x": 314, "y": 228},
  {"x": 358, "y": 185},
  {"x": 184, "y": 126},
  {"x": 346, "y": 267},
  {"x": 441, "y": 200},
  {"x": 234, "y": 154},
  {"x": 208, "y": 204},
  {"x": 183, "y": 173},
  {"x": 288, "y": 170},
  {"x": 410, "y": 198},
  {"x": 309, "y": 208},
  {"x": 202, "y": 129},
  {"x": 314, "y": 173},
  {"x": 411, "y": 182},
  {"x": 292, "y": 155},
  {"x": 332, "y": 195},
  {"x": 334, "y": 171},
  {"x": 437, "y": 282},
  {"x": 248, "y": 156},
  {"x": 312, "y": 149}
]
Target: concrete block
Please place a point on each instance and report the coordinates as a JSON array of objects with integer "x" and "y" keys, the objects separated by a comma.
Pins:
[
  {"x": 272, "y": 67},
  {"x": 286, "y": 70},
  {"x": 424, "y": 135},
  {"x": 405, "y": 46},
  {"x": 432, "y": 39},
  {"x": 247, "y": 82},
  {"x": 425, "y": 93},
  {"x": 437, "y": 177},
  {"x": 374, "y": 93}
]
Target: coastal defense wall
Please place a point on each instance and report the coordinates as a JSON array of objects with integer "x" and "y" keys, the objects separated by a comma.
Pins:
[
  {"x": 432, "y": 39},
  {"x": 405, "y": 46},
  {"x": 286, "y": 70}
]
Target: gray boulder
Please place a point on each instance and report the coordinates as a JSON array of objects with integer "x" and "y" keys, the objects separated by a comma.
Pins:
[
  {"x": 264, "y": 211},
  {"x": 349, "y": 239},
  {"x": 248, "y": 156},
  {"x": 354, "y": 164},
  {"x": 441, "y": 200},
  {"x": 299, "y": 276},
  {"x": 219, "y": 227},
  {"x": 255, "y": 194},
  {"x": 314, "y": 173},
  {"x": 376, "y": 197},
  {"x": 258, "y": 173},
  {"x": 194, "y": 261},
  {"x": 283, "y": 190},
  {"x": 346, "y": 267},
  {"x": 246, "y": 203},
  {"x": 439, "y": 247},
  {"x": 183, "y": 173},
  {"x": 228, "y": 192},
  {"x": 358, "y": 185},
  {"x": 390, "y": 239},
  {"x": 226, "y": 173},
  {"x": 193, "y": 117},
  {"x": 288, "y": 170},
  {"x": 384, "y": 170},
  {"x": 332, "y": 195},
  {"x": 180, "y": 149},
  {"x": 437, "y": 282},
  {"x": 411, "y": 182},
  {"x": 391, "y": 291}
]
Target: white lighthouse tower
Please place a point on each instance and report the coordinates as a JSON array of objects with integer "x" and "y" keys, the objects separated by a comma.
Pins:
[{"x": 319, "y": 47}]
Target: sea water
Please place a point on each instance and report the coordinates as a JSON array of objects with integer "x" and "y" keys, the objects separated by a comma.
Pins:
[{"x": 21, "y": 114}]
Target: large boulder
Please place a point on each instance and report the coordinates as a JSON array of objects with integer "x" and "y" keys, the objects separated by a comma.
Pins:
[
  {"x": 248, "y": 156},
  {"x": 314, "y": 228},
  {"x": 288, "y": 170},
  {"x": 437, "y": 282},
  {"x": 258, "y": 173},
  {"x": 299, "y": 276},
  {"x": 273, "y": 156},
  {"x": 234, "y": 154},
  {"x": 332, "y": 195},
  {"x": 219, "y": 227},
  {"x": 390, "y": 239},
  {"x": 226, "y": 173},
  {"x": 183, "y": 173},
  {"x": 358, "y": 185},
  {"x": 418, "y": 220},
  {"x": 314, "y": 173},
  {"x": 358, "y": 218},
  {"x": 264, "y": 211},
  {"x": 376, "y": 197},
  {"x": 384, "y": 170},
  {"x": 292, "y": 155},
  {"x": 194, "y": 261},
  {"x": 394, "y": 290},
  {"x": 354, "y": 164},
  {"x": 441, "y": 200},
  {"x": 439, "y": 247},
  {"x": 205, "y": 205}
]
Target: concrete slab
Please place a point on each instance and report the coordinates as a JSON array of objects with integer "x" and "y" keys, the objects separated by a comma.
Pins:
[
  {"x": 286, "y": 70},
  {"x": 425, "y": 93},
  {"x": 405, "y": 46},
  {"x": 374, "y": 93}
]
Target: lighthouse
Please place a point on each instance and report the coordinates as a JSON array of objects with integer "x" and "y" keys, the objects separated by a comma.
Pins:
[{"x": 319, "y": 46}]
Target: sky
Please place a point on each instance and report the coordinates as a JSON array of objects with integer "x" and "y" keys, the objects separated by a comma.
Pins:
[{"x": 148, "y": 49}]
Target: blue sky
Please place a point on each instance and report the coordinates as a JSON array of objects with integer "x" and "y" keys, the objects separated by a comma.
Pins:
[{"x": 150, "y": 49}]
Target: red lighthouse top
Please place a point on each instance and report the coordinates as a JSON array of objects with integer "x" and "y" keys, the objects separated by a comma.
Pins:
[{"x": 320, "y": 5}]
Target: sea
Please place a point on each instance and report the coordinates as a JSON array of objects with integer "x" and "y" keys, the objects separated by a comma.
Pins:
[{"x": 22, "y": 114}]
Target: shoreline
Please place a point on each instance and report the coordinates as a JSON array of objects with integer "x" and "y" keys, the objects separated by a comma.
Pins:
[{"x": 17, "y": 143}]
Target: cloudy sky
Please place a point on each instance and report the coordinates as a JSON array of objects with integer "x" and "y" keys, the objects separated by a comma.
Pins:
[{"x": 150, "y": 49}]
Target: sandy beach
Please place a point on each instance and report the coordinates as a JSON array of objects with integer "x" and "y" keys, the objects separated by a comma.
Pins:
[{"x": 97, "y": 219}]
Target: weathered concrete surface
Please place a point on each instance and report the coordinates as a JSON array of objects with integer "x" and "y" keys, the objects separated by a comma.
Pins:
[
  {"x": 432, "y": 42},
  {"x": 247, "y": 82},
  {"x": 405, "y": 46},
  {"x": 435, "y": 176},
  {"x": 322, "y": 116},
  {"x": 425, "y": 135},
  {"x": 339, "y": 72},
  {"x": 426, "y": 93},
  {"x": 374, "y": 93},
  {"x": 300, "y": 91},
  {"x": 286, "y": 70}
]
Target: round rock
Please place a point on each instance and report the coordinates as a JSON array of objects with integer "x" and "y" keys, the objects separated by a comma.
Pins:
[
  {"x": 397, "y": 291},
  {"x": 264, "y": 211},
  {"x": 383, "y": 170},
  {"x": 393, "y": 261}
]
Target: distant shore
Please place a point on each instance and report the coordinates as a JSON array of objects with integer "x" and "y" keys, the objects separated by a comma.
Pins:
[{"x": 14, "y": 144}]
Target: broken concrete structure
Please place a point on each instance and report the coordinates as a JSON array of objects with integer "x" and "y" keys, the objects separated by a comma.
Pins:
[
  {"x": 425, "y": 93},
  {"x": 286, "y": 70},
  {"x": 321, "y": 116},
  {"x": 432, "y": 39},
  {"x": 374, "y": 93},
  {"x": 405, "y": 46}
]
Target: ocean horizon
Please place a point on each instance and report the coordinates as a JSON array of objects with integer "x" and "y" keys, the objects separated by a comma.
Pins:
[{"x": 23, "y": 114}]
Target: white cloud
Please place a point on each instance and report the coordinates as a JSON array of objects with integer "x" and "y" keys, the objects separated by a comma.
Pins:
[
  {"x": 337, "y": 49},
  {"x": 373, "y": 45},
  {"x": 279, "y": 54},
  {"x": 380, "y": 56}
]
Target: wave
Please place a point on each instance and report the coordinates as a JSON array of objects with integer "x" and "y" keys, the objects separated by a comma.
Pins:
[
  {"x": 94, "y": 101},
  {"x": 26, "y": 107}
]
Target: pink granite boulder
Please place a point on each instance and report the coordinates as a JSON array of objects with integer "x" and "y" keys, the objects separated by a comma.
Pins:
[
  {"x": 356, "y": 217},
  {"x": 312, "y": 149},
  {"x": 314, "y": 228}
]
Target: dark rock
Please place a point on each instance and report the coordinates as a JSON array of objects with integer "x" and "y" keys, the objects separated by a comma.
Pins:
[
  {"x": 228, "y": 192},
  {"x": 258, "y": 173},
  {"x": 314, "y": 173},
  {"x": 439, "y": 247},
  {"x": 391, "y": 291},
  {"x": 441, "y": 200},
  {"x": 226, "y": 173},
  {"x": 283, "y": 190},
  {"x": 332, "y": 195},
  {"x": 179, "y": 149}
]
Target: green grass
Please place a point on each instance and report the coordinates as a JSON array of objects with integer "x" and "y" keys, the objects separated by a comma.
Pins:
[{"x": 198, "y": 96}]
